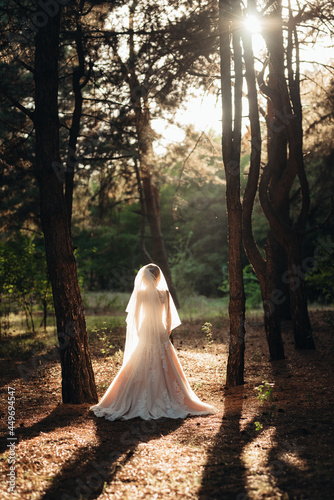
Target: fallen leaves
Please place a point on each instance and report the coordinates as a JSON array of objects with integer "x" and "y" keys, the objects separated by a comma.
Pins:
[{"x": 66, "y": 450}]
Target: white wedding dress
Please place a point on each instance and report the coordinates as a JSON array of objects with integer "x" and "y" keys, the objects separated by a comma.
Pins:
[{"x": 151, "y": 383}]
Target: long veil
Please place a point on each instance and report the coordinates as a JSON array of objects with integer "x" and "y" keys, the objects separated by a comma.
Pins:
[{"x": 144, "y": 319}]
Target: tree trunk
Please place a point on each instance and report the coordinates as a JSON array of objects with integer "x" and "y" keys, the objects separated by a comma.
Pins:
[
  {"x": 264, "y": 269},
  {"x": 159, "y": 254},
  {"x": 78, "y": 384},
  {"x": 231, "y": 157},
  {"x": 300, "y": 319},
  {"x": 45, "y": 313},
  {"x": 277, "y": 154},
  {"x": 285, "y": 132},
  {"x": 271, "y": 301},
  {"x": 281, "y": 264},
  {"x": 143, "y": 213},
  {"x": 71, "y": 161},
  {"x": 150, "y": 195}
]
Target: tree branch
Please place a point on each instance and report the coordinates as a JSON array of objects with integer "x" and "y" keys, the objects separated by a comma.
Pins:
[
  {"x": 251, "y": 248},
  {"x": 22, "y": 108}
]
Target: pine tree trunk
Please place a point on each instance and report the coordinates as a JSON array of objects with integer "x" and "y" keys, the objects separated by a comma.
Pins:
[
  {"x": 159, "y": 254},
  {"x": 264, "y": 269},
  {"x": 281, "y": 264},
  {"x": 302, "y": 329},
  {"x": 286, "y": 135},
  {"x": 271, "y": 304},
  {"x": 78, "y": 384},
  {"x": 231, "y": 157}
]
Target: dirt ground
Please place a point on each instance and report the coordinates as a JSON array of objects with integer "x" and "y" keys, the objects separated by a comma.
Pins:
[{"x": 280, "y": 449}]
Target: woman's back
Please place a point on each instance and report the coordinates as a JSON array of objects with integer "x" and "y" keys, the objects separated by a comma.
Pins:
[
  {"x": 151, "y": 382},
  {"x": 152, "y": 318}
]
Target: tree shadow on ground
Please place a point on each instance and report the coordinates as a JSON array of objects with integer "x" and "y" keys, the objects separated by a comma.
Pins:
[
  {"x": 90, "y": 468},
  {"x": 295, "y": 441},
  {"x": 226, "y": 476},
  {"x": 9, "y": 372},
  {"x": 61, "y": 416},
  {"x": 301, "y": 461},
  {"x": 223, "y": 477}
]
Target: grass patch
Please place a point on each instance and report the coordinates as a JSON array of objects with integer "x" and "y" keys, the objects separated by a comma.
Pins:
[
  {"x": 105, "y": 301},
  {"x": 17, "y": 325},
  {"x": 110, "y": 307},
  {"x": 24, "y": 346},
  {"x": 105, "y": 314},
  {"x": 101, "y": 322},
  {"x": 198, "y": 307}
]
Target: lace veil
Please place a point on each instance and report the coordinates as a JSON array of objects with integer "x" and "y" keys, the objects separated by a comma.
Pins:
[{"x": 150, "y": 310}]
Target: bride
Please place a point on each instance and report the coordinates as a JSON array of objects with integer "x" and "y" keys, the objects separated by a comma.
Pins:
[{"x": 151, "y": 383}]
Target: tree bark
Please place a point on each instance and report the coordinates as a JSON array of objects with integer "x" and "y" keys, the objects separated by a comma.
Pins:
[
  {"x": 231, "y": 157},
  {"x": 78, "y": 384},
  {"x": 277, "y": 152},
  {"x": 285, "y": 132},
  {"x": 264, "y": 268},
  {"x": 281, "y": 264},
  {"x": 71, "y": 161},
  {"x": 143, "y": 213},
  {"x": 300, "y": 318},
  {"x": 271, "y": 302}
]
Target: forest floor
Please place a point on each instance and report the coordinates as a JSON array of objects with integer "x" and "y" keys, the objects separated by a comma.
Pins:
[{"x": 248, "y": 450}]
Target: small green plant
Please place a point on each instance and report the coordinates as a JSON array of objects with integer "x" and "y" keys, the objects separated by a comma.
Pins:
[
  {"x": 258, "y": 426},
  {"x": 104, "y": 386},
  {"x": 207, "y": 329},
  {"x": 106, "y": 346},
  {"x": 197, "y": 385},
  {"x": 118, "y": 356},
  {"x": 265, "y": 391}
]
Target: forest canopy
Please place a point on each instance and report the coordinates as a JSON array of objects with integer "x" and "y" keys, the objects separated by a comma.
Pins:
[
  {"x": 124, "y": 67},
  {"x": 188, "y": 144}
]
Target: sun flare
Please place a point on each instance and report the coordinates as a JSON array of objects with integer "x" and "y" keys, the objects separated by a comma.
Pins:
[{"x": 253, "y": 24}]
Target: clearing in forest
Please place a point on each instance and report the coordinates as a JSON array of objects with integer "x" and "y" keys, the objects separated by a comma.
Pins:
[{"x": 272, "y": 442}]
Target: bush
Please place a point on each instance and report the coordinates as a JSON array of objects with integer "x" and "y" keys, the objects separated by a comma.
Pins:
[
  {"x": 23, "y": 276},
  {"x": 320, "y": 280},
  {"x": 251, "y": 286}
]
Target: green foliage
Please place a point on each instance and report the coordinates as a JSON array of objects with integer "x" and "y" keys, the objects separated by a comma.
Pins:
[
  {"x": 95, "y": 323},
  {"x": 195, "y": 234},
  {"x": 104, "y": 304},
  {"x": 207, "y": 329},
  {"x": 321, "y": 278},
  {"x": 265, "y": 391},
  {"x": 103, "y": 336},
  {"x": 107, "y": 256},
  {"x": 105, "y": 301},
  {"x": 23, "y": 275},
  {"x": 184, "y": 266},
  {"x": 251, "y": 286},
  {"x": 265, "y": 394},
  {"x": 258, "y": 426},
  {"x": 198, "y": 306}
]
